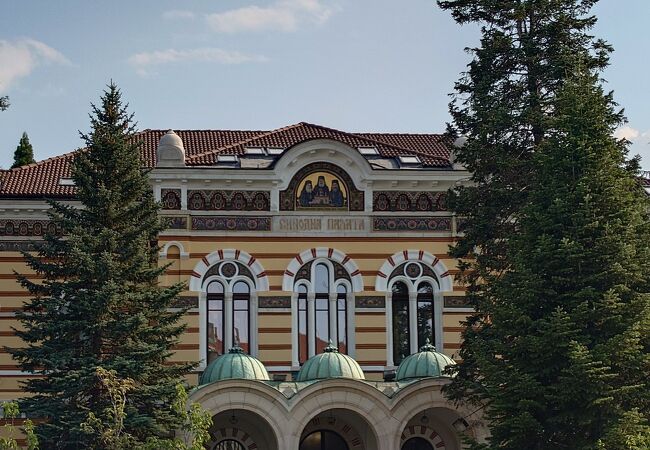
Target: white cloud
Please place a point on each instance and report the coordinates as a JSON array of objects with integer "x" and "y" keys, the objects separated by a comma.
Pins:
[
  {"x": 142, "y": 61},
  {"x": 176, "y": 14},
  {"x": 20, "y": 57},
  {"x": 627, "y": 132},
  {"x": 283, "y": 15}
]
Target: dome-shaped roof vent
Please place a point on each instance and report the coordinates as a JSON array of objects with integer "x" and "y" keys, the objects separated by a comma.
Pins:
[
  {"x": 234, "y": 364},
  {"x": 330, "y": 364},
  {"x": 170, "y": 151},
  {"x": 425, "y": 363}
]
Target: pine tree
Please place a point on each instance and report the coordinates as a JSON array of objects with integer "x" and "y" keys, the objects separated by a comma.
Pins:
[
  {"x": 4, "y": 103},
  {"x": 24, "y": 153},
  {"x": 556, "y": 235},
  {"x": 100, "y": 304}
]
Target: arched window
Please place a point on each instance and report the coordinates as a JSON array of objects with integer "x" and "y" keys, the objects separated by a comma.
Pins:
[
  {"x": 229, "y": 288},
  {"x": 417, "y": 443},
  {"x": 413, "y": 310},
  {"x": 323, "y": 440},
  {"x": 322, "y": 290}
]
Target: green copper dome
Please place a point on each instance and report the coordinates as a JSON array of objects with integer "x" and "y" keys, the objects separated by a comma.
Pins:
[
  {"x": 426, "y": 363},
  {"x": 330, "y": 364},
  {"x": 234, "y": 364}
]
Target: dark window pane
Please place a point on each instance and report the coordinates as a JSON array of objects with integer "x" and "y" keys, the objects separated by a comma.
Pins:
[
  {"x": 341, "y": 325},
  {"x": 240, "y": 329},
  {"x": 425, "y": 288},
  {"x": 417, "y": 443},
  {"x": 323, "y": 440},
  {"x": 425, "y": 322},
  {"x": 302, "y": 330},
  {"x": 400, "y": 289},
  {"x": 401, "y": 336},
  {"x": 215, "y": 334},
  {"x": 322, "y": 330}
]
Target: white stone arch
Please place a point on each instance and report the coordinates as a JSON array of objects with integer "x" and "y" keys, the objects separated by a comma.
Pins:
[
  {"x": 348, "y": 394},
  {"x": 323, "y": 150},
  {"x": 324, "y": 253},
  {"x": 427, "y": 394},
  {"x": 249, "y": 395},
  {"x": 261, "y": 278},
  {"x": 181, "y": 248},
  {"x": 445, "y": 280}
]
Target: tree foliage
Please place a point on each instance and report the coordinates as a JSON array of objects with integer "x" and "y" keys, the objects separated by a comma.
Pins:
[
  {"x": 108, "y": 429},
  {"x": 100, "y": 304},
  {"x": 556, "y": 235},
  {"x": 24, "y": 153},
  {"x": 4, "y": 103},
  {"x": 11, "y": 412}
]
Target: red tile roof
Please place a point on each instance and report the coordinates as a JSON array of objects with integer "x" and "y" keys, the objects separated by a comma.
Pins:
[{"x": 202, "y": 147}]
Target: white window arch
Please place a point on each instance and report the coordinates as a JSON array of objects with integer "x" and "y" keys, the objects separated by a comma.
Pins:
[
  {"x": 322, "y": 309},
  {"x": 228, "y": 310},
  {"x": 249, "y": 269}
]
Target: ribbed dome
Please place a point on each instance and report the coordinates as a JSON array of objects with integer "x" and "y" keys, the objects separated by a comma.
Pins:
[
  {"x": 330, "y": 364},
  {"x": 234, "y": 364},
  {"x": 426, "y": 363}
]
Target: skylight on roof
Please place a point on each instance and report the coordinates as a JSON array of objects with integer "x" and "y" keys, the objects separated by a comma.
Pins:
[
  {"x": 66, "y": 182},
  {"x": 368, "y": 150},
  {"x": 254, "y": 150},
  {"x": 227, "y": 158},
  {"x": 274, "y": 150},
  {"x": 409, "y": 160}
]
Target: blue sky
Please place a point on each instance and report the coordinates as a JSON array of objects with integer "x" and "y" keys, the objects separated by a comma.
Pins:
[{"x": 355, "y": 65}]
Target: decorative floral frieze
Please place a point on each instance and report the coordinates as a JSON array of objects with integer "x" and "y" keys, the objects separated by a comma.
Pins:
[
  {"x": 456, "y": 301},
  {"x": 174, "y": 222},
  {"x": 231, "y": 223},
  {"x": 170, "y": 199},
  {"x": 17, "y": 246},
  {"x": 409, "y": 201},
  {"x": 28, "y": 227},
  {"x": 370, "y": 301},
  {"x": 411, "y": 223},
  {"x": 221, "y": 200},
  {"x": 274, "y": 302}
]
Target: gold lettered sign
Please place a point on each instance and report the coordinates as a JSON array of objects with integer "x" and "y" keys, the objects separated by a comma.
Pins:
[{"x": 320, "y": 224}]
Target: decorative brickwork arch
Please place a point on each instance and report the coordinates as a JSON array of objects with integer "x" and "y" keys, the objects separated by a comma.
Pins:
[
  {"x": 228, "y": 254},
  {"x": 425, "y": 432},
  {"x": 322, "y": 252},
  {"x": 439, "y": 268}
]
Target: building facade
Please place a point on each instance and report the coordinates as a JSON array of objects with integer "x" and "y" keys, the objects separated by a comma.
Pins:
[{"x": 300, "y": 247}]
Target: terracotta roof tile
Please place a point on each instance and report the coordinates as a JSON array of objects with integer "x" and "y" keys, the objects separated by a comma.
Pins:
[{"x": 202, "y": 147}]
